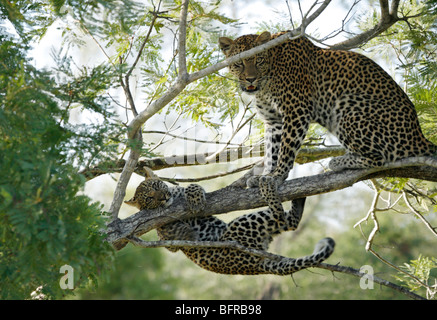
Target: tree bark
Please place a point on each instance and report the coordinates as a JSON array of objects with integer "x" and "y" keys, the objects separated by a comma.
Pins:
[{"x": 230, "y": 199}]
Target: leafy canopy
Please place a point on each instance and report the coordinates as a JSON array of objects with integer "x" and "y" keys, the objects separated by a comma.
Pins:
[{"x": 44, "y": 222}]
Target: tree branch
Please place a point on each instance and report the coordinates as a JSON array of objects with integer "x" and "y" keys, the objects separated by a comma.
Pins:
[
  {"x": 314, "y": 16},
  {"x": 388, "y": 18},
  {"x": 358, "y": 274},
  {"x": 183, "y": 74},
  {"x": 369, "y": 244},
  {"x": 135, "y": 133},
  {"x": 181, "y": 83},
  {"x": 125, "y": 83},
  {"x": 231, "y": 199},
  {"x": 128, "y": 169},
  {"x": 203, "y": 244},
  {"x": 305, "y": 155},
  {"x": 267, "y": 255},
  {"x": 135, "y": 152},
  {"x": 419, "y": 215},
  {"x": 384, "y": 8}
]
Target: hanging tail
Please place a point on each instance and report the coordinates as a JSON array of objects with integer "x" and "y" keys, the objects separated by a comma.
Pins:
[{"x": 323, "y": 249}]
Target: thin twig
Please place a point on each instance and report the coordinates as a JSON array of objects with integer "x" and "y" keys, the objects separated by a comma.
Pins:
[
  {"x": 163, "y": 137},
  {"x": 419, "y": 215},
  {"x": 240, "y": 126},
  {"x": 125, "y": 84},
  {"x": 210, "y": 177},
  {"x": 143, "y": 45},
  {"x": 167, "y": 133},
  {"x": 371, "y": 237},
  {"x": 357, "y": 273}
]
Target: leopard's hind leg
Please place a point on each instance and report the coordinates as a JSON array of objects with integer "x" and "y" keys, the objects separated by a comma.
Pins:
[{"x": 353, "y": 161}]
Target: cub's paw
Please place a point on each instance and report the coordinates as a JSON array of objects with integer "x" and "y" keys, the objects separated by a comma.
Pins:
[{"x": 195, "y": 197}]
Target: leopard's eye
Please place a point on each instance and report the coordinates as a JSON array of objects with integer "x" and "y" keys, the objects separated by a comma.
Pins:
[
  {"x": 238, "y": 65},
  {"x": 260, "y": 60}
]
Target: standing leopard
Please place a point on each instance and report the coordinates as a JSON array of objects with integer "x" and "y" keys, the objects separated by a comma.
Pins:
[
  {"x": 253, "y": 231},
  {"x": 296, "y": 83}
]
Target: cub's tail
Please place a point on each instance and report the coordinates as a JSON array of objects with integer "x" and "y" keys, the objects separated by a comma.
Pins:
[{"x": 323, "y": 249}]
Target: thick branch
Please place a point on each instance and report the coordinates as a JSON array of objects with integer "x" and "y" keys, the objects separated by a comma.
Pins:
[
  {"x": 233, "y": 199},
  {"x": 128, "y": 169},
  {"x": 384, "y": 7}
]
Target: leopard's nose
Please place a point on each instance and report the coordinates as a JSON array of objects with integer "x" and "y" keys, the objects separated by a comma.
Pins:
[
  {"x": 251, "y": 79},
  {"x": 250, "y": 85}
]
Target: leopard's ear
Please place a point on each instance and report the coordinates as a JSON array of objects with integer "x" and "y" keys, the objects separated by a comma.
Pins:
[
  {"x": 226, "y": 45},
  {"x": 263, "y": 38},
  {"x": 149, "y": 174}
]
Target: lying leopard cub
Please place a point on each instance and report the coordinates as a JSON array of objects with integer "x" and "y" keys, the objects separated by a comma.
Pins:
[{"x": 254, "y": 230}]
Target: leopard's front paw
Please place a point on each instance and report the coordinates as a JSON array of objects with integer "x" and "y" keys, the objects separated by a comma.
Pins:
[
  {"x": 195, "y": 197},
  {"x": 268, "y": 186}
]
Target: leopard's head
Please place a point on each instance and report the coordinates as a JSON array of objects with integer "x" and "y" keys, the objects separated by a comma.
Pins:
[
  {"x": 252, "y": 72},
  {"x": 152, "y": 193}
]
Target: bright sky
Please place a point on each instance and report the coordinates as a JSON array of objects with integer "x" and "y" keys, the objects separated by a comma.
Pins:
[{"x": 251, "y": 13}]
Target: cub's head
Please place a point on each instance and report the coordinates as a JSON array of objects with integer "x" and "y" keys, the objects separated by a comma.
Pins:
[
  {"x": 252, "y": 72},
  {"x": 151, "y": 193}
]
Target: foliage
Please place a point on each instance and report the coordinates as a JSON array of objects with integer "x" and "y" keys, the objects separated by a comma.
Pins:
[
  {"x": 44, "y": 222},
  {"x": 421, "y": 269},
  {"x": 137, "y": 274}
]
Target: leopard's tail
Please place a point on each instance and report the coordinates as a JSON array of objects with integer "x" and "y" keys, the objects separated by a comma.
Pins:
[{"x": 323, "y": 249}]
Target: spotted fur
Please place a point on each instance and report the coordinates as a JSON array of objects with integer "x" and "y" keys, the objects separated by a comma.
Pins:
[
  {"x": 254, "y": 230},
  {"x": 296, "y": 83}
]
